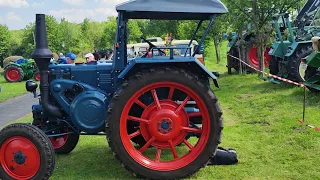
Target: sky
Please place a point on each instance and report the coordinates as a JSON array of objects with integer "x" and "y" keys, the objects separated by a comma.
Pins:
[{"x": 16, "y": 14}]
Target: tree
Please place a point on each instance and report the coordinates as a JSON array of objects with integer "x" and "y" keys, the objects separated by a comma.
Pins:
[
  {"x": 259, "y": 13},
  {"x": 54, "y": 34},
  {"x": 4, "y": 42}
]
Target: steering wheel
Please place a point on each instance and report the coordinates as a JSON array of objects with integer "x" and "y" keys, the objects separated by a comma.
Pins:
[{"x": 151, "y": 45}]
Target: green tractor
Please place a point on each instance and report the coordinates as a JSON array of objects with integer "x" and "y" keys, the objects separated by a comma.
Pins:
[
  {"x": 293, "y": 42},
  {"x": 21, "y": 70}
]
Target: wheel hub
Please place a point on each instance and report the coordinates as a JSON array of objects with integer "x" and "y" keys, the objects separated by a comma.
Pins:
[
  {"x": 19, "y": 157},
  {"x": 165, "y": 124}
]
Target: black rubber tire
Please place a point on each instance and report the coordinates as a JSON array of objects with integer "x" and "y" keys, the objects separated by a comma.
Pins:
[
  {"x": 310, "y": 72},
  {"x": 295, "y": 61},
  {"x": 274, "y": 65},
  {"x": 71, "y": 143},
  {"x": 40, "y": 140},
  {"x": 140, "y": 80},
  {"x": 10, "y": 67}
]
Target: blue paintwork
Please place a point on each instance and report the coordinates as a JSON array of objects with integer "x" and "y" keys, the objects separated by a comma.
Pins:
[
  {"x": 162, "y": 60},
  {"x": 88, "y": 111}
]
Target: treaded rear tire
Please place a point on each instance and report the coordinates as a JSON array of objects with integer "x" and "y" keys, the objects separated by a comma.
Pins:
[
  {"x": 40, "y": 141},
  {"x": 141, "y": 80},
  {"x": 295, "y": 61}
]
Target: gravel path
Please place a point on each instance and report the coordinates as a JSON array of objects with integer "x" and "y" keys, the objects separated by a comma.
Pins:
[{"x": 16, "y": 108}]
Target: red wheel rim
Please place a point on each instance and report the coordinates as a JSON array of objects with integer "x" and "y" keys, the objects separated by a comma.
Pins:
[
  {"x": 59, "y": 141},
  {"x": 254, "y": 60},
  {"x": 267, "y": 57},
  {"x": 12, "y": 74},
  {"x": 37, "y": 76},
  {"x": 164, "y": 124},
  {"x": 19, "y": 158}
]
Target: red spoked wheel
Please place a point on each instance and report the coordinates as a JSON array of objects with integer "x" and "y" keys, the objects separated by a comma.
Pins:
[
  {"x": 25, "y": 153},
  {"x": 37, "y": 76},
  {"x": 162, "y": 96},
  {"x": 13, "y": 73},
  {"x": 164, "y": 124},
  {"x": 254, "y": 60}
]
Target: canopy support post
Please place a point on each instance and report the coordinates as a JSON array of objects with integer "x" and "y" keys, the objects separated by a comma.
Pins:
[
  {"x": 204, "y": 35},
  {"x": 194, "y": 36}
]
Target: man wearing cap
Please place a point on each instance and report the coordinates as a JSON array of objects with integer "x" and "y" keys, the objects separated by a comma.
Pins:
[
  {"x": 70, "y": 57},
  {"x": 90, "y": 58}
]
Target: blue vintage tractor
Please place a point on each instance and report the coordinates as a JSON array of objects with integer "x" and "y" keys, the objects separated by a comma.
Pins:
[{"x": 160, "y": 116}]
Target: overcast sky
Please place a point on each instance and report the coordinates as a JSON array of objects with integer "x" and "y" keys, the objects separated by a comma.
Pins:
[{"x": 16, "y": 14}]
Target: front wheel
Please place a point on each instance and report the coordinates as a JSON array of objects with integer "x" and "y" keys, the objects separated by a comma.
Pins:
[
  {"x": 64, "y": 143},
  {"x": 25, "y": 153},
  {"x": 160, "y": 96}
]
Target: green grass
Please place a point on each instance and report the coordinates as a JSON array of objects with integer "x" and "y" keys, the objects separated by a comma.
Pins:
[
  {"x": 10, "y": 90},
  {"x": 260, "y": 123}
]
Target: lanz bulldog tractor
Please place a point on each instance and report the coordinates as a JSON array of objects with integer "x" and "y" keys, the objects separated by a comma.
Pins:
[{"x": 160, "y": 116}]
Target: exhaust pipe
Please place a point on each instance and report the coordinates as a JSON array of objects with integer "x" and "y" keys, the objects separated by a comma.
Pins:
[{"x": 42, "y": 56}]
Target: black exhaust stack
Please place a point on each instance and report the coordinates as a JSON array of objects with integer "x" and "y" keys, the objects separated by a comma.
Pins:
[{"x": 42, "y": 56}]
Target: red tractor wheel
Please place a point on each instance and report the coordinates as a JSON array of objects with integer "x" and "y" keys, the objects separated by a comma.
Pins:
[
  {"x": 36, "y": 76},
  {"x": 25, "y": 153},
  {"x": 13, "y": 73},
  {"x": 63, "y": 144},
  {"x": 254, "y": 60},
  {"x": 162, "y": 94},
  {"x": 66, "y": 143}
]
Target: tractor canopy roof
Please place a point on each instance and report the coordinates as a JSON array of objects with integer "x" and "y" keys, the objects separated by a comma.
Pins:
[{"x": 171, "y": 9}]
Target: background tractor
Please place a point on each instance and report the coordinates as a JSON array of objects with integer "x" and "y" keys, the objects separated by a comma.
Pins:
[
  {"x": 160, "y": 116},
  {"x": 293, "y": 42},
  {"x": 250, "y": 51},
  {"x": 22, "y": 69}
]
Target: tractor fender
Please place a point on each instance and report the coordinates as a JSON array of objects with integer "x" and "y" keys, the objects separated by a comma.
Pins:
[
  {"x": 296, "y": 45},
  {"x": 12, "y": 63},
  {"x": 190, "y": 64}
]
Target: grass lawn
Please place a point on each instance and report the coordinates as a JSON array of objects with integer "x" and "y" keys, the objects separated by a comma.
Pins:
[
  {"x": 10, "y": 90},
  {"x": 260, "y": 123}
]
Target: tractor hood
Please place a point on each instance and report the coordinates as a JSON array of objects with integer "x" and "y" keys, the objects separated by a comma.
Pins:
[{"x": 172, "y": 9}]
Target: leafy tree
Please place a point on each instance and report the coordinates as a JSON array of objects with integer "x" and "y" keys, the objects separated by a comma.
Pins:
[
  {"x": 4, "y": 42},
  {"x": 259, "y": 13}
]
